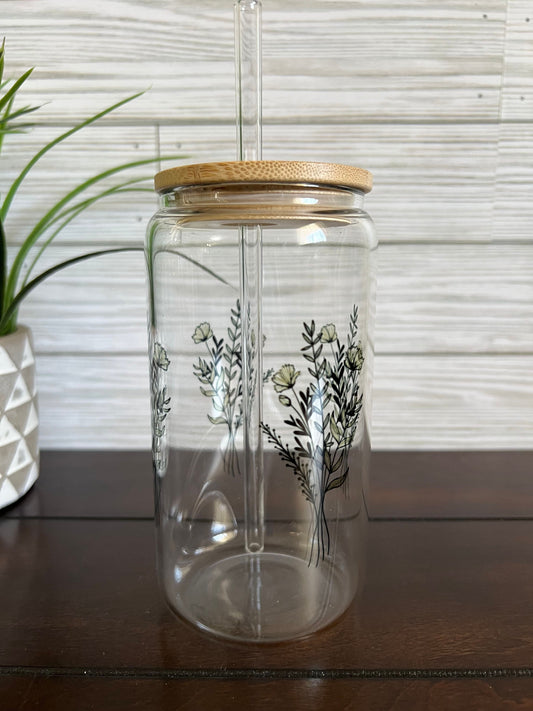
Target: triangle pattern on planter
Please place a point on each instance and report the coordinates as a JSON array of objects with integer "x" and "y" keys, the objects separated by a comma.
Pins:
[
  {"x": 32, "y": 422},
  {"x": 8, "y": 433},
  {"x": 8, "y": 454},
  {"x": 7, "y": 380},
  {"x": 19, "y": 450},
  {"x": 21, "y": 459},
  {"x": 20, "y": 394},
  {"x": 27, "y": 357},
  {"x": 15, "y": 347},
  {"x": 6, "y": 364},
  {"x": 8, "y": 493},
  {"x": 32, "y": 440},
  {"x": 15, "y": 456},
  {"x": 18, "y": 416},
  {"x": 29, "y": 378},
  {"x": 24, "y": 477}
]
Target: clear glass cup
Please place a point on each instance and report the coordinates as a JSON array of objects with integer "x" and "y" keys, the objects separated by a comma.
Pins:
[{"x": 261, "y": 301}]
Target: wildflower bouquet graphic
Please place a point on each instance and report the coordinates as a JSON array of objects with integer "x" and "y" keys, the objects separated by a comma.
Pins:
[
  {"x": 160, "y": 402},
  {"x": 220, "y": 375},
  {"x": 323, "y": 417},
  {"x": 322, "y": 413}
]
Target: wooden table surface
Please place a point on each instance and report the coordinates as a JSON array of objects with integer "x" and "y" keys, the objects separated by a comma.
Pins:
[{"x": 445, "y": 620}]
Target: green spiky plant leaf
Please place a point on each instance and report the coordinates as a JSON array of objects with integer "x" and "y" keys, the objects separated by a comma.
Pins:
[{"x": 16, "y": 280}]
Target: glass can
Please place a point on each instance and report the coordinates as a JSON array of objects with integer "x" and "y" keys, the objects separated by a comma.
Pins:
[{"x": 261, "y": 303}]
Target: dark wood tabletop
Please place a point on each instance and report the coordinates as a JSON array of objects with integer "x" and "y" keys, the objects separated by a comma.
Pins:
[{"x": 445, "y": 620}]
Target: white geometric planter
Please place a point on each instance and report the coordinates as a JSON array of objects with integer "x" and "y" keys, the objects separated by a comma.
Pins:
[{"x": 19, "y": 422}]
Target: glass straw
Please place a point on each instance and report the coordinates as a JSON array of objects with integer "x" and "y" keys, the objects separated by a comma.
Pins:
[
  {"x": 248, "y": 78},
  {"x": 248, "y": 95}
]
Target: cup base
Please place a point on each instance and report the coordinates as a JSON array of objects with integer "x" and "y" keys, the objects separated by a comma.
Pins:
[{"x": 262, "y": 597}]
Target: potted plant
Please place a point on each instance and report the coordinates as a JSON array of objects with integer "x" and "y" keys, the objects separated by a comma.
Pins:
[{"x": 19, "y": 449}]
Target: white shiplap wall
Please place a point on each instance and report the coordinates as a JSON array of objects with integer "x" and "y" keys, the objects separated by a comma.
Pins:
[{"x": 436, "y": 98}]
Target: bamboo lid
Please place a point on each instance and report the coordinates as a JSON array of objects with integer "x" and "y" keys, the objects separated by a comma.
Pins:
[{"x": 264, "y": 171}]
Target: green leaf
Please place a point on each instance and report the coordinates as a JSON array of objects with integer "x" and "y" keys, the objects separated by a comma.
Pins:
[
  {"x": 207, "y": 392},
  {"x": 3, "y": 264},
  {"x": 21, "y": 112},
  {"x": 8, "y": 117},
  {"x": 17, "y": 128},
  {"x": 8, "y": 321},
  {"x": 13, "y": 90},
  {"x": 48, "y": 218},
  {"x": 286, "y": 401},
  {"x": 2, "y": 52},
  {"x": 16, "y": 183},
  {"x": 336, "y": 483},
  {"x": 335, "y": 431},
  {"x": 8, "y": 120},
  {"x": 203, "y": 267},
  {"x": 72, "y": 212},
  {"x": 337, "y": 465},
  {"x": 217, "y": 420}
]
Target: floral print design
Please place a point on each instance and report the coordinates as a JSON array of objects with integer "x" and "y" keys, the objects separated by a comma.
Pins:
[
  {"x": 285, "y": 378},
  {"x": 160, "y": 404},
  {"x": 324, "y": 406},
  {"x": 323, "y": 417}
]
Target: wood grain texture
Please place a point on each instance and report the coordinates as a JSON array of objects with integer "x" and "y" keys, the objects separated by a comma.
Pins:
[
  {"x": 513, "y": 206},
  {"x": 461, "y": 182},
  {"x": 477, "y": 299},
  {"x": 444, "y": 192},
  {"x": 440, "y": 624},
  {"x": 486, "y": 484},
  {"x": 416, "y": 485},
  {"x": 115, "y": 694},
  {"x": 264, "y": 171},
  {"x": 438, "y": 595},
  {"x": 513, "y": 201},
  {"x": 116, "y": 219},
  {"x": 433, "y": 98},
  {"x": 427, "y": 402},
  {"x": 517, "y": 89},
  {"x": 475, "y": 401},
  {"x": 321, "y": 59}
]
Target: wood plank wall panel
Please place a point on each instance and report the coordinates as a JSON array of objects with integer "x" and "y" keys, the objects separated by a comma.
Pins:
[
  {"x": 340, "y": 60},
  {"x": 477, "y": 299},
  {"x": 443, "y": 192},
  {"x": 517, "y": 85},
  {"x": 116, "y": 220},
  {"x": 513, "y": 199},
  {"x": 434, "y": 98},
  {"x": 514, "y": 177},
  {"x": 419, "y": 401}
]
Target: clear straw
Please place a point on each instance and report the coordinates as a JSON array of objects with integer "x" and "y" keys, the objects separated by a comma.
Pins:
[
  {"x": 252, "y": 386},
  {"x": 248, "y": 78},
  {"x": 248, "y": 95}
]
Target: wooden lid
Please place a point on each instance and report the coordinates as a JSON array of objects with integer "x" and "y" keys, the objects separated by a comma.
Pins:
[{"x": 264, "y": 171}]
